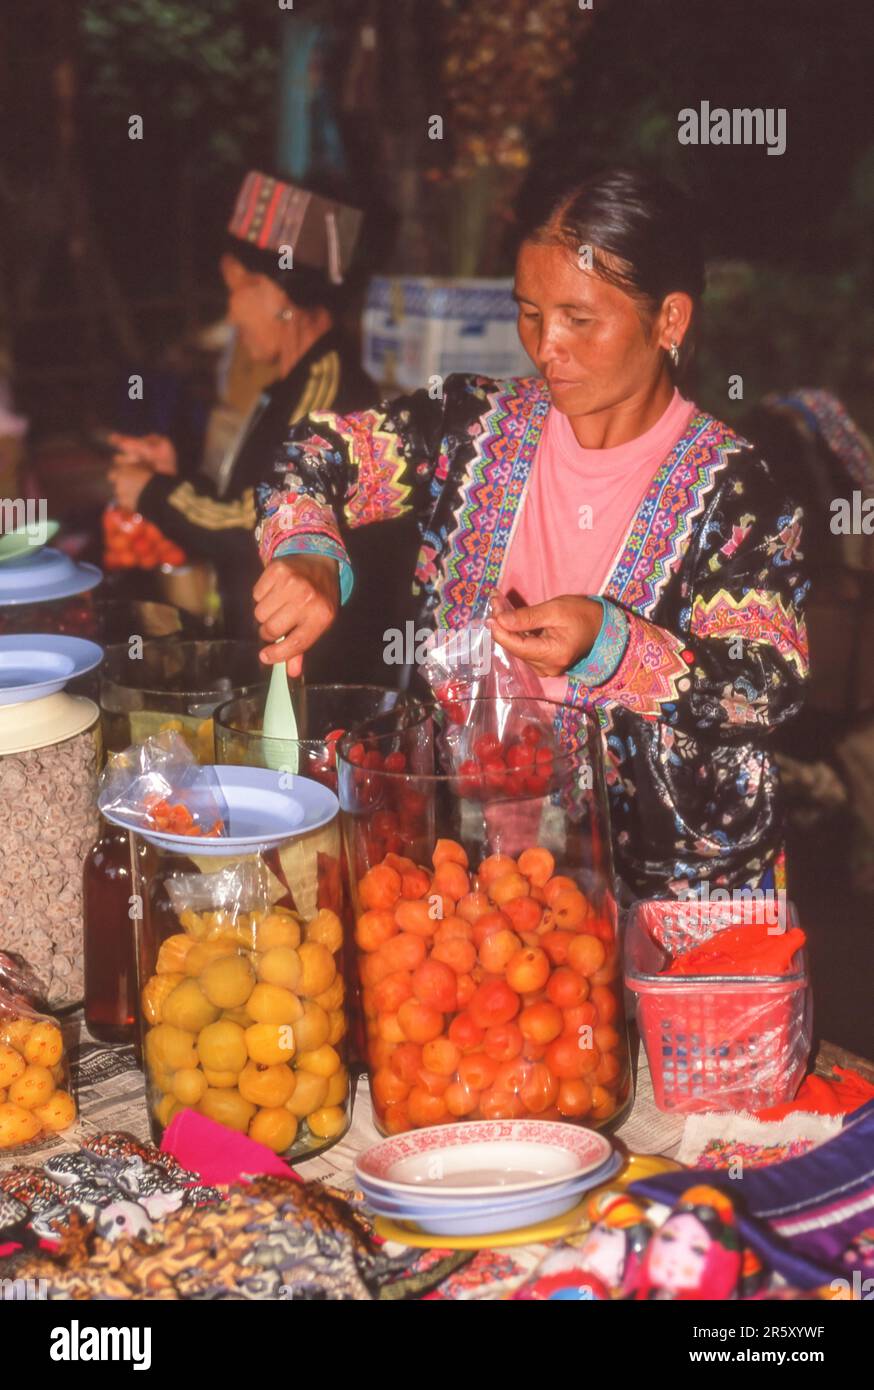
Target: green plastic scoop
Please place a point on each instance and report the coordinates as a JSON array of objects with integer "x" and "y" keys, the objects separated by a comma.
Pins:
[
  {"x": 280, "y": 724},
  {"x": 18, "y": 543}
]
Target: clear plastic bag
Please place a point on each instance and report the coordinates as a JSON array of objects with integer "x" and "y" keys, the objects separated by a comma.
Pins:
[
  {"x": 34, "y": 1074},
  {"x": 492, "y": 737},
  {"x": 159, "y": 786}
]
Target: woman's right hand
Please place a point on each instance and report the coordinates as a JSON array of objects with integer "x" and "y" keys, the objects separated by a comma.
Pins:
[
  {"x": 153, "y": 451},
  {"x": 297, "y": 598}
]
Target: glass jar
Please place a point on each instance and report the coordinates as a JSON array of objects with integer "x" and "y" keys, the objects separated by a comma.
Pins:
[
  {"x": 486, "y": 922},
  {"x": 322, "y": 710},
  {"x": 241, "y": 991},
  {"x": 50, "y": 754},
  {"x": 152, "y": 685}
]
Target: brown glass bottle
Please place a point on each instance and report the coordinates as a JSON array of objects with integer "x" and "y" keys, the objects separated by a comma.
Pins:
[{"x": 110, "y": 975}]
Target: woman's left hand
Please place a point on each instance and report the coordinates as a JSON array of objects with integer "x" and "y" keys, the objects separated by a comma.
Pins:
[
  {"x": 550, "y": 636},
  {"x": 128, "y": 482}
]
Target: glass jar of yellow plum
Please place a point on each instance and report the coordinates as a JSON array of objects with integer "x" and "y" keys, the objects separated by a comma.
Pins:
[{"x": 241, "y": 988}]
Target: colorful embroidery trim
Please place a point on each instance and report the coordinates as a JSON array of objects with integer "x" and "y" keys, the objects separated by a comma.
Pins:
[{"x": 759, "y": 616}]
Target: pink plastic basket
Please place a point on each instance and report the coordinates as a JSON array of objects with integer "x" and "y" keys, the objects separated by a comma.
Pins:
[{"x": 714, "y": 1042}]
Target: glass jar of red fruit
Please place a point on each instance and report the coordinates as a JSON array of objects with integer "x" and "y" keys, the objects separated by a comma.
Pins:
[{"x": 486, "y": 923}]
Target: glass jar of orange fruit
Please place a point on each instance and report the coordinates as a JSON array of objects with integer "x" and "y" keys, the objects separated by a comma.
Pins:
[
  {"x": 485, "y": 921},
  {"x": 242, "y": 1000}
]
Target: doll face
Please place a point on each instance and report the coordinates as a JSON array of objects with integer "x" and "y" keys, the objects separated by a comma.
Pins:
[
  {"x": 678, "y": 1253},
  {"x": 603, "y": 1253}
]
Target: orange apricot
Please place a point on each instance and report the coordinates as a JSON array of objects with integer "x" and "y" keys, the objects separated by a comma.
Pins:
[
  {"x": 540, "y": 1089},
  {"x": 606, "y": 1002},
  {"x": 466, "y": 987},
  {"x": 537, "y": 865},
  {"x": 566, "y": 1059},
  {"x": 441, "y": 1056},
  {"x": 493, "y": 1002},
  {"x": 500, "y": 1105},
  {"x": 418, "y": 1022},
  {"x": 460, "y": 1099},
  {"x": 493, "y": 867},
  {"x": 414, "y": 915},
  {"x": 374, "y": 928},
  {"x": 373, "y": 967},
  {"x": 452, "y": 880},
  {"x": 452, "y": 929},
  {"x": 608, "y": 1069},
  {"x": 388, "y": 1088},
  {"x": 524, "y": 913},
  {"x": 415, "y": 884},
  {"x": 556, "y": 944},
  {"x": 606, "y": 1037},
  {"x": 405, "y": 1061},
  {"x": 434, "y": 984},
  {"x": 554, "y": 886},
  {"x": 508, "y": 886},
  {"x": 491, "y": 922},
  {"x": 567, "y": 987},
  {"x": 497, "y": 949},
  {"x": 511, "y": 1076},
  {"x": 579, "y": 1016},
  {"x": 503, "y": 1041},
  {"x": 477, "y": 1071},
  {"x": 604, "y": 1104},
  {"x": 380, "y": 887},
  {"x": 528, "y": 970},
  {"x": 569, "y": 909},
  {"x": 473, "y": 906},
  {"x": 389, "y": 1027},
  {"x": 466, "y": 1034},
  {"x": 449, "y": 852},
  {"x": 586, "y": 954},
  {"x": 434, "y": 1082},
  {"x": 397, "y": 1118},
  {"x": 391, "y": 992},
  {"x": 574, "y": 1097},
  {"x": 458, "y": 954},
  {"x": 404, "y": 951},
  {"x": 541, "y": 1022},
  {"x": 425, "y": 1109}
]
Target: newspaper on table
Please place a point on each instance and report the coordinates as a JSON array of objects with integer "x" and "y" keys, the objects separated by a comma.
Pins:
[{"x": 111, "y": 1095}]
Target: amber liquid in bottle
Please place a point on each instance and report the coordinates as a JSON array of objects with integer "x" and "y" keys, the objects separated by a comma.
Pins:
[{"x": 110, "y": 974}]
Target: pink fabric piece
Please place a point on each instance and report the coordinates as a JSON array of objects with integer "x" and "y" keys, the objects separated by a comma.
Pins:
[
  {"x": 560, "y": 549},
  {"x": 219, "y": 1156}
]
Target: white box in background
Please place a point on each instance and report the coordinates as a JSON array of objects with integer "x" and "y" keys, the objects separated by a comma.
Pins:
[{"x": 416, "y": 327}]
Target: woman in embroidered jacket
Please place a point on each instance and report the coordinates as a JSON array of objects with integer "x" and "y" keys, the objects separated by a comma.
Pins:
[{"x": 656, "y": 559}]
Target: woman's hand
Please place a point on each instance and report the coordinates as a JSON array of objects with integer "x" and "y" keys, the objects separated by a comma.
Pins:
[
  {"x": 152, "y": 451},
  {"x": 297, "y": 598},
  {"x": 550, "y": 636},
  {"x": 127, "y": 484}
]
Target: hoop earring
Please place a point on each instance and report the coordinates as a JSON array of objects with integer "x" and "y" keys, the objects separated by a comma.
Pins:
[
  {"x": 285, "y": 315},
  {"x": 674, "y": 354}
]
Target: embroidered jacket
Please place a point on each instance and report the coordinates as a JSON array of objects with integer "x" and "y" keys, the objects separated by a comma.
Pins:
[{"x": 702, "y": 651}]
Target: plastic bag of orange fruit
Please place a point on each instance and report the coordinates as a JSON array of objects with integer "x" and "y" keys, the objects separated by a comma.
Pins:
[
  {"x": 159, "y": 785},
  {"x": 35, "y": 1096},
  {"x": 132, "y": 542},
  {"x": 242, "y": 1011}
]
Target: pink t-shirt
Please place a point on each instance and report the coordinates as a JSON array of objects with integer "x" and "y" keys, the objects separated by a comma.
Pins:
[{"x": 577, "y": 510}]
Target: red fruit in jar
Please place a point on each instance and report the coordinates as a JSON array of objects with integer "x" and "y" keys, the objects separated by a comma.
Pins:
[
  {"x": 520, "y": 755},
  {"x": 466, "y": 990},
  {"x": 503, "y": 1041},
  {"x": 605, "y": 1001},
  {"x": 433, "y": 1082},
  {"x": 536, "y": 784},
  {"x": 566, "y": 1059},
  {"x": 578, "y": 1017},
  {"x": 441, "y": 1056},
  {"x": 391, "y": 992},
  {"x": 404, "y": 951},
  {"x": 559, "y": 884},
  {"x": 532, "y": 735},
  {"x": 586, "y": 954},
  {"x": 414, "y": 915},
  {"x": 388, "y": 1088},
  {"x": 495, "y": 774},
  {"x": 497, "y": 949},
  {"x": 507, "y": 887},
  {"x": 397, "y": 1118},
  {"x": 425, "y": 1109},
  {"x": 374, "y": 928},
  {"x": 395, "y": 762},
  {"x": 453, "y": 928},
  {"x": 434, "y": 983},
  {"x": 494, "y": 1002},
  {"x": 487, "y": 746},
  {"x": 373, "y": 761},
  {"x": 528, "y": 970},
  {"x": 356, "y": 754},
  {"x": 384, "y": 823},
  {"x": 494, "y": 867},
  {"x": 466, "y": 1034},
  {"x": 495, "y": 1104},
  {"x": 457, "y": 953},
  {"x": 470, "y": 781},
  {"x": 489, "y": 924},
  {"x": 574, "y": 1098}
]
